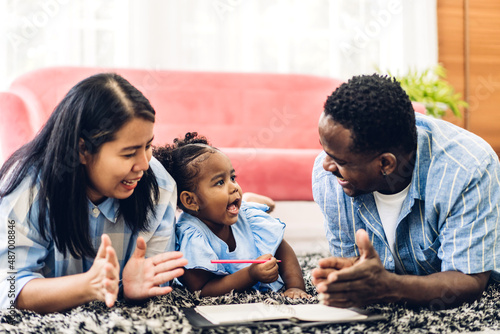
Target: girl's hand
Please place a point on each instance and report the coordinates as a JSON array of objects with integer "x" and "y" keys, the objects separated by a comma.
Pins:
[
  {"x": 266, "y": 272},
  {"x": 104, "y": 275},
  {"x": 296, "y": 293},
  {"x": 142, "y": 277},
  {"x": 290, "y": 272}
]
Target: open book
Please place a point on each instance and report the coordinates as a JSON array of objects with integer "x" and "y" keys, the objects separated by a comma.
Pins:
[{"x": 247, "y": 313}]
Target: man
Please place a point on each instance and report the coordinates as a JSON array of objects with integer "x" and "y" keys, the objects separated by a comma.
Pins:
[{"x": 411, "y": 203}]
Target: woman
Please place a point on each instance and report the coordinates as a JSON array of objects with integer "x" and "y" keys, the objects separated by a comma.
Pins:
[{"x": 80, "y": 197}]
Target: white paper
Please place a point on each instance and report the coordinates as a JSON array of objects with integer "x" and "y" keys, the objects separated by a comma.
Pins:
[{"x": 236, "y": 313}]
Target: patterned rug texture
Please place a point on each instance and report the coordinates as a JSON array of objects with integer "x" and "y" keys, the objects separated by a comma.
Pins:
[{"x": 164, "y": 315}]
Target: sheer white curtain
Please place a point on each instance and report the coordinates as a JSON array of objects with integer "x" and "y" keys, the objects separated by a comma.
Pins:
[
  {"x": 337, "y": 38},
  {"x": 40, "y": 33},
  {"x": 392, "y": 35}
]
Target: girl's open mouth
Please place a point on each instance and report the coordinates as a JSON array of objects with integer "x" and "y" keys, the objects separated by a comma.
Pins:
[{"x": 234, "y": 207}]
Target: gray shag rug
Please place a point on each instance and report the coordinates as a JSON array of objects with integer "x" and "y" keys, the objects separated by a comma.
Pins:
[{"x": 164, "y": 315}]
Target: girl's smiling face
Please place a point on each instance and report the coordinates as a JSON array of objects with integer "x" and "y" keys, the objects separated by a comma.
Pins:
[
  {"x": 118, "y": 166},
  {"x": 217, "y": 192}
]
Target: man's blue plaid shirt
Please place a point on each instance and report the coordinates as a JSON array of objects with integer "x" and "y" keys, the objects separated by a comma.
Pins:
[{"x": 448, "y": 221}]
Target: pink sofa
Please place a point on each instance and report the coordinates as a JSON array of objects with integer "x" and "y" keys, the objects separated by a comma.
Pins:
[{"x": 266, "y": 123}]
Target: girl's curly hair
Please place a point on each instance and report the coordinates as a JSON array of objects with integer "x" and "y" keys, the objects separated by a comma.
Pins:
[{"x": 180, "y": 159}]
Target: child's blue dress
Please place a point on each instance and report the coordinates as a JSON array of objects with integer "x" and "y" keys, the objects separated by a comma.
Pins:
[{"x": 256, "y": 233}]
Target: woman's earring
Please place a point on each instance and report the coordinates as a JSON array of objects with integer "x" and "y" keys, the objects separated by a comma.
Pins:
[{"x": 384, "y": 173}]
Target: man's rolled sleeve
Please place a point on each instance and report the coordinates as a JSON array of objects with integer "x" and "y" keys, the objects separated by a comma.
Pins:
[{"x": 469, "y": 235}]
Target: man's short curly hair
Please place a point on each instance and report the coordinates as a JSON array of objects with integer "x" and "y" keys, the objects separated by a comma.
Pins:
[{"x": 377, "y": 111}]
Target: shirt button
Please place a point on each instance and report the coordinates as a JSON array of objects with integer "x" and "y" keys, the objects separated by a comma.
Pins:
[
  {"x": 95, "y": 212},
  {"x": 390, "y": 259}
]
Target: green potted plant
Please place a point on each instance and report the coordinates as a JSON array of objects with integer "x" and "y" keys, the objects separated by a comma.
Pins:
[{"x": 430, "y": 88}]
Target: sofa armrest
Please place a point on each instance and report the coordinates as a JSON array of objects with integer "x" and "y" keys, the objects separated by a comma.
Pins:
[
  {"x": 15, "y": 128},
  {"x": 419, "y": 107}
]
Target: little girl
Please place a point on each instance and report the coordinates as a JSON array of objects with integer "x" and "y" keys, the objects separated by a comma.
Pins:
[{"x": 217, "y": 225}]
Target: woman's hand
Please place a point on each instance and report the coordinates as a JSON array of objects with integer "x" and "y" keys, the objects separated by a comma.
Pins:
[
  {"x": 142, "y": 277},
  {"x": 104, "y": 275},
  {"x": 266, "y": 272}
]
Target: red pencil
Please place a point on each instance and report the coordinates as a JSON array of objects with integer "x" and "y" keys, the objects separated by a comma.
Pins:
[{"x": 240, "y": 261}]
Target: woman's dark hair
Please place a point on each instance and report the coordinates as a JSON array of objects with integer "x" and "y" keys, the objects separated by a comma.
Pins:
[
  {"x": 93, "y": 110},
  {"x": 178, "y": 160},
  {"x": 377, "y": 111}
]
